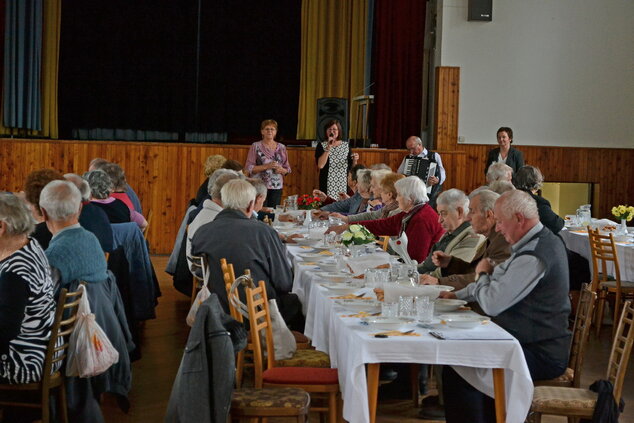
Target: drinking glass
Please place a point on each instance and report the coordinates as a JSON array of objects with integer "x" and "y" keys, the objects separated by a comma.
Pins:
[
  {"x": 389, "y": 309},
  {"x": 424, "y": 309},
  {"x": 371, "y": 278},
  {"x": 405, "y": 306}
]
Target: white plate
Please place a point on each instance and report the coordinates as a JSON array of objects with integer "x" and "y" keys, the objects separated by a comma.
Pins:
[
  {"x": 341, "y": 288},
  {"x": 330, "y": 268},
  {"x": 445, "y": 304},
  {"x": 334, "y": 276},
  {"x": 359, "y": 305},
  {"x": 305, "y": 241},
  {"x": 313, "y": 256},
  {"x": 387, "y": 323},
  {"x": 463, "y": 322}
]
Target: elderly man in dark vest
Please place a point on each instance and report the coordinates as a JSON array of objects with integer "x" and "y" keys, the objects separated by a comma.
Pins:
[{"x": 527, "y": 295}]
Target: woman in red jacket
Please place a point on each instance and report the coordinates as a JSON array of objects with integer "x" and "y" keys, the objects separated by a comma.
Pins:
[{"x": 418, "y": 219}]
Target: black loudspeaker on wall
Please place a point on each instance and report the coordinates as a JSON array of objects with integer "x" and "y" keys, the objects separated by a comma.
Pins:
[
  {"x": 481, "y": 10},
  {"x": 329, "y": 108}
]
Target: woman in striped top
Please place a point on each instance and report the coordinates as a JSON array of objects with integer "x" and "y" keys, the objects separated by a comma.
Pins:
[{"x": 27, "y": 306}]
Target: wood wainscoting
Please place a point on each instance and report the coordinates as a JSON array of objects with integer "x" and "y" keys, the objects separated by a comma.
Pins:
[{"x": 167, "y": 175}]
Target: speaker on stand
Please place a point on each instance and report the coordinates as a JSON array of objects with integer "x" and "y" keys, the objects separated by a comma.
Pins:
[{"x": 329, "y": 108}]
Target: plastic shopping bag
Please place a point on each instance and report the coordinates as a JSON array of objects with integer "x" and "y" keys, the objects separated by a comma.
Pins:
[
  {"x": 202, "y": 295},
  {"x": 90, "y": 352}
]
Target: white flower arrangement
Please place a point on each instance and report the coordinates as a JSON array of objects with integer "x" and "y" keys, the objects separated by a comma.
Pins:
[{"x": 357, "y": 235}]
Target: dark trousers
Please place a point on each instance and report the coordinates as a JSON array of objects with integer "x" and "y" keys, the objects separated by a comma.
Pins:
[
  {"x": 273, "y": 198},
  {"x": 464, "y": 403}
]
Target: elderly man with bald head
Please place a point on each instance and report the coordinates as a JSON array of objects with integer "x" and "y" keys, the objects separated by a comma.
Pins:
[{"x": 416, "y": 149}]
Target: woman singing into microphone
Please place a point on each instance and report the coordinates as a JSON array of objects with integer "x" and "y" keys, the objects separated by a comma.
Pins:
[{"x": 334, "y": 157}]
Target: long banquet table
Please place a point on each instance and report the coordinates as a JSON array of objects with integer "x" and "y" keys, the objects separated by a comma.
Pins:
[{"x": 352, "y": 345}]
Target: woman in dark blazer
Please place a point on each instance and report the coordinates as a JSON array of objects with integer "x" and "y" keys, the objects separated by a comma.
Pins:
[{"x": 505, "y": 153}]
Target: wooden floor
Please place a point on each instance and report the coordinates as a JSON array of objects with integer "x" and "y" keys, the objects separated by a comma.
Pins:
[{"x": 164, "y": 339}]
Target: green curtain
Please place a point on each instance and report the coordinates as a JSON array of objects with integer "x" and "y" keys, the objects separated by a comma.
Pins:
[{"x": 333, "y": 57}]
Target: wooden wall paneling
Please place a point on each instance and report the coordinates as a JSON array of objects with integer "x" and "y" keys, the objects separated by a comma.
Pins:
[
  {"x": 166, "y": 176},
  {"x": 447, "y": 96}
]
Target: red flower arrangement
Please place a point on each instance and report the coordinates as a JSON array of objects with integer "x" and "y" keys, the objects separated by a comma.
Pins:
[{"x": 307, "y": 202}]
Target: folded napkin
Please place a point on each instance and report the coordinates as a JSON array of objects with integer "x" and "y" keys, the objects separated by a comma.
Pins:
[
  {"x": 308, "y": 263},
  {"x": 359, "y": 265},
  {"x": 399, "y": 246},
  {"x": 394, "y": 290}
]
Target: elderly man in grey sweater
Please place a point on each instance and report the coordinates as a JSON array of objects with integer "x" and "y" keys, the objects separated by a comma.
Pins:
[{"x": 527, "y": 295}]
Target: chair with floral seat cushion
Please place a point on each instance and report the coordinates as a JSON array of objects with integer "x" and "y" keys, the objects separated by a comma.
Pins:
[
  {"x": 253, "y": 403},
  {"x": 580, "y": 403},
  {"x": 580, "y": 334},
  {"x": 318, "y": 381},
  {"x": 21, "y": 395},
  {"x": 603, "y": 251}
]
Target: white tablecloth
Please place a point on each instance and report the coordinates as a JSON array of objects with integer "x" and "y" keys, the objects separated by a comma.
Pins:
[
  {"x": 578, "y": 242},
  {"x": 351, "y": 345}
]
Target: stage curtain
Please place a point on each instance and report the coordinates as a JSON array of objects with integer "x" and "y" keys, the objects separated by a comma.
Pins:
[
  {"x": 332, "y": 58},
  {"x": 49, "y": 70},
  {"x": 22, "y": 99},
  {"x": 398, "y": 70}
]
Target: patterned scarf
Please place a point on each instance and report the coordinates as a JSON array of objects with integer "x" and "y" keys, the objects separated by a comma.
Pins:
[{"x": 409, "y": 215}]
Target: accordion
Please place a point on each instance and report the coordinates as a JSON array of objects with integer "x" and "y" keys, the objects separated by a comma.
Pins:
[{"x": 421, "y": 167}]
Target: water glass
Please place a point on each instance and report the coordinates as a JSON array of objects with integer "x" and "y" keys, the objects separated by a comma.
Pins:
[
  {"x": 389, "y": 309},
  {"x": 371, "y": 278},
  {"x": 405, "y": 306},
  {"x": 424, "y": 309},
  {"x": 334, "y": 221},
  {"x": 340, "y": 260}
]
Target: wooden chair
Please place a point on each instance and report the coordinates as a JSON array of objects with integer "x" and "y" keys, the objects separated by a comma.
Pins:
[
  {"x": 315, "y": 380},
  {"x": 580, "y": 334},
  {"x": 383, "y": 241},
  {"x": 580, "y": 403},
  {"x": 229, "y": 275},
  {"x": 254, "y": 404},
  {"x": 14, "y": 395},
  {"x": 603, "y": 251},
  {"x": 198, "y": 262}
]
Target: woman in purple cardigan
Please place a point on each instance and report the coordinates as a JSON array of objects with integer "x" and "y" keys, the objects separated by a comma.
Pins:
[{"x": 268, "y": 160}]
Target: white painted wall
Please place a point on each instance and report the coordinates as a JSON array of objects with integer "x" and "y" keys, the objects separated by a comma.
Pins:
[{"x": 558, "y": 72}]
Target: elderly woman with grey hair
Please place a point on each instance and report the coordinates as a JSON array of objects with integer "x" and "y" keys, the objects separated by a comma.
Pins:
[
  {"x": 101, "y": 188},
  {"x": 92, "y": 217},
  {"x": 27, "y": 305},
  {"x": 499, "y": 172},
  {"x": 530, "y": 180},
  {"x": 417, "y": 219}
]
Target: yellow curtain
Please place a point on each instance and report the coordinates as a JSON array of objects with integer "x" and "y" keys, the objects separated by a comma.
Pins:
[
  {"x": 332, "y": 58},
  {"x": 51, "y": 15}
]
